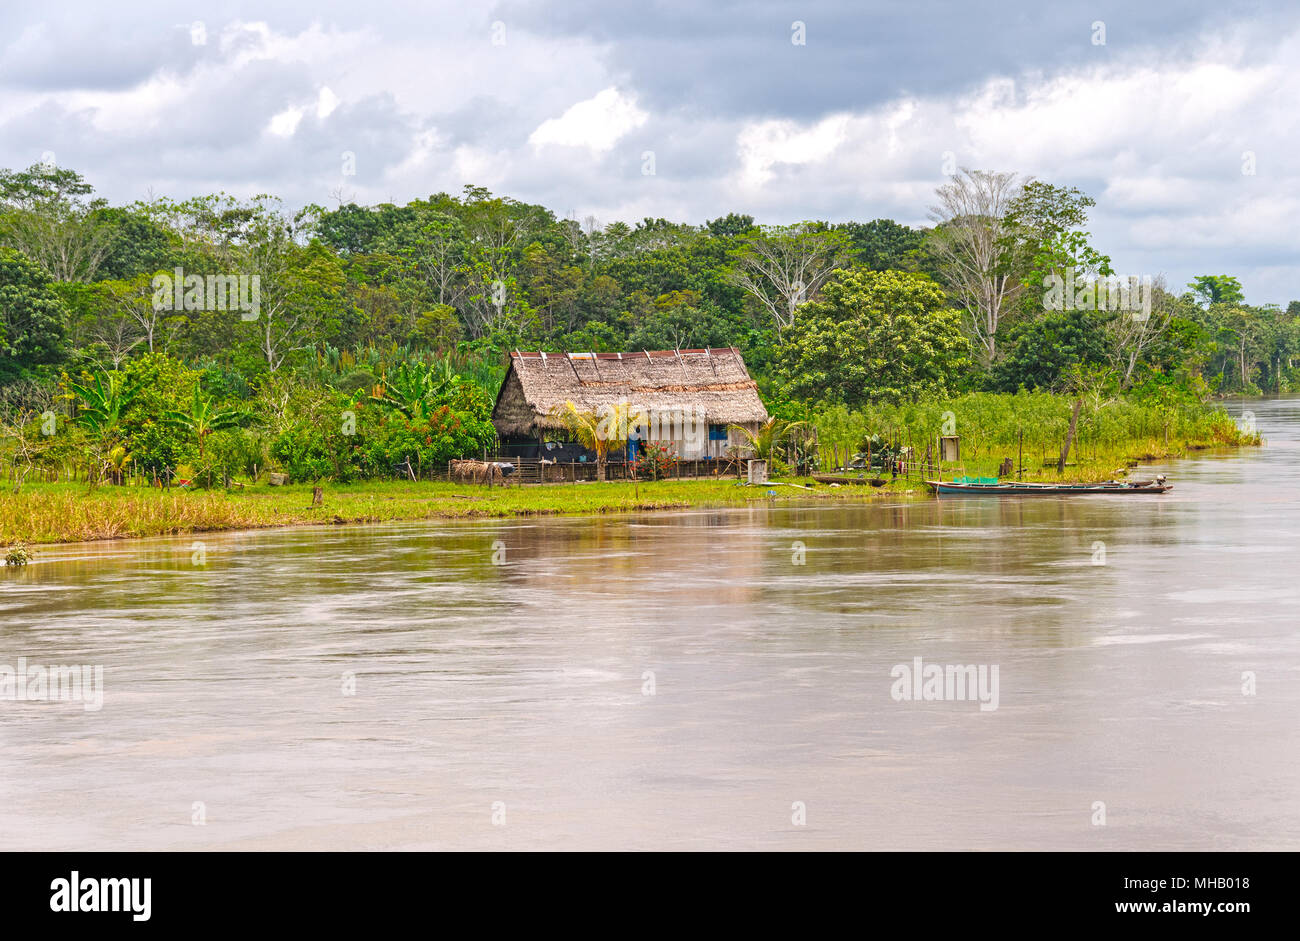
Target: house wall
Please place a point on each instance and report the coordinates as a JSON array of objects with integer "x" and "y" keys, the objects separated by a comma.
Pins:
[
  {"x": 690, "y": 444},
  {"x": 687, "y": 445}
]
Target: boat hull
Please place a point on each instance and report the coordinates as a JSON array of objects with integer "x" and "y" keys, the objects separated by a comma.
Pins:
[{"x": 946, "y": 489}]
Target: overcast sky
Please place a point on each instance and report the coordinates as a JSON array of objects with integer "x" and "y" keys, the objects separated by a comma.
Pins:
[{"x": 1159, "y": 110}]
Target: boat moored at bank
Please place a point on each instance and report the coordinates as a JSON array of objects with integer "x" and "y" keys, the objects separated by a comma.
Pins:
[{"x": 992, "y": 486}]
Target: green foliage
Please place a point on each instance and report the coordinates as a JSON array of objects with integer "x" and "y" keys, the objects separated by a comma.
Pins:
[
  {"x": 884, "y": 244},
  {"x": 402, "y": 316},
  {"x": 135, "y": 244},
  {"x": 731, "y": 224},
  {"x": 201, "y": 418},
  {"x": 102, "y": 403},
  {"x": 1041, "y": 353},
  {"x": 1213, "y": 289},
  {"x": 1043, "y": 228},
  {"x": 163, "y": 386},
  {"x": 873, "y": 336},
  {"x": 33, "y": 319},
  {"x": 765, "y": 442},
  {"x": 997, "y": 423},
  {"x": 412, "y": 389}
]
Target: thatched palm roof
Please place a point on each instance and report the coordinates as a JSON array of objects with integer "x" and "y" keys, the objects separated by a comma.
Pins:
[{"x": 715, "y": 382}]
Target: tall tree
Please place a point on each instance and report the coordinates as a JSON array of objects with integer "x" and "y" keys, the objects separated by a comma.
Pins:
[
  {"x": 1134, "y": 334},
  {"x": 46, "y": 213},
  {"x": 883, "y": 244},
  {"x": 970, "y": 241},
  {"x": 782, "y": 267},
  {"x": 1211, "y": 289}
]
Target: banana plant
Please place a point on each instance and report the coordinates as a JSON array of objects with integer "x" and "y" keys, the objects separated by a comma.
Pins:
[
  {"x": 203, "y": 419},
  {"x": 413, "y": 389},
  {"x": 103, "y": 403}
]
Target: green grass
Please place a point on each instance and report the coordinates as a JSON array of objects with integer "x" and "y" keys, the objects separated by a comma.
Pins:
[{"x": 49, "y": 513}]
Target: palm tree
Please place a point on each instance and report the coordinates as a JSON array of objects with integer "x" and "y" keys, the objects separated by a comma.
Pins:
[
  {"x": 596, "y": 431},
  {"x": 115, "y": 462},
  {"x": 770, "y": 435}
]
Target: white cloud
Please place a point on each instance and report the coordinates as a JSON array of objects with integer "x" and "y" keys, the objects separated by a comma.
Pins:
[
  {"x": 326, "y": 103},
  {"x": 1159, "y": 144},
  {"x": 767, "y": 143},
  {"x": 285, "y": 123},
  {"x": 597, "y": 123}
]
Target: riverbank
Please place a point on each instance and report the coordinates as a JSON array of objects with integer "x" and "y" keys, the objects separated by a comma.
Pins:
[{"x": 52, "y": 513}]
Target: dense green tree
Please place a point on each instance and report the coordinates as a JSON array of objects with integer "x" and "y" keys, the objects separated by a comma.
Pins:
[
  {"x": 33, "y": 318},
  {"x": 1211, "y": 289},
  {"x": 201, "y": 417},
  {"x": 163, "y": 386},
  {"x": 873, "y": 336},
  {"x": 1041, "y": 353},
  {"x": 883, "y": 244},
  {"x": 136, "y": 244},
  {"x": 677, "y": 321},
  {"x": 732, "y": 224}
]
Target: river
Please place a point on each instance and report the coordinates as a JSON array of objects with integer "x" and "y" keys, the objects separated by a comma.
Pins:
[{"x": 687, "y": 680}]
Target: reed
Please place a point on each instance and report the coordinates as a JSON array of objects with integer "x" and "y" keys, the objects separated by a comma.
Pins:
[{"x": 994, "y": 426}]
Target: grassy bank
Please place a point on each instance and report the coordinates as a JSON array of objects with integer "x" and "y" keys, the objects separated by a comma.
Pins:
[
  {"x": 1000, "y": 424},
  {"x": 67, "y": 512},
  {"x": 50, "y": 513},
  {"x": 46, "y": 513}
]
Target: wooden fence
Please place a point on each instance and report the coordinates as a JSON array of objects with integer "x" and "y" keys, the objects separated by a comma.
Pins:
[
  {"x": 527, "y": 471},
  {"x": 535, "y": 471}
]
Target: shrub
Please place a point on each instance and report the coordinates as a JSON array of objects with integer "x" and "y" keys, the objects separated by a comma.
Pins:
[{"x": 656, "y": 461}]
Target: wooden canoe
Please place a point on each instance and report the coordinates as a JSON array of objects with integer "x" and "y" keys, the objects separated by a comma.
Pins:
[{"x": 1018, "y": 489}]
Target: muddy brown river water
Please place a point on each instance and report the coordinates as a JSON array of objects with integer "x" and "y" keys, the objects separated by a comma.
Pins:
[{"x": 709, "y": 678}]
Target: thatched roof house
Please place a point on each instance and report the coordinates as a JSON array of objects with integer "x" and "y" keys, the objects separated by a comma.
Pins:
[{"x": 712, "y": 384}]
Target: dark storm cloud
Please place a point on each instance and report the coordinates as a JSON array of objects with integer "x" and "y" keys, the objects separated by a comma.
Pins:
[
  {"x": 66, "y": 53},
  {"x": 737, "y": 57}
]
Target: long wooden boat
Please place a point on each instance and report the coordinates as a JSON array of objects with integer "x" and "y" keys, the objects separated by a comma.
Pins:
[{"x": 993, "y": 487}]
